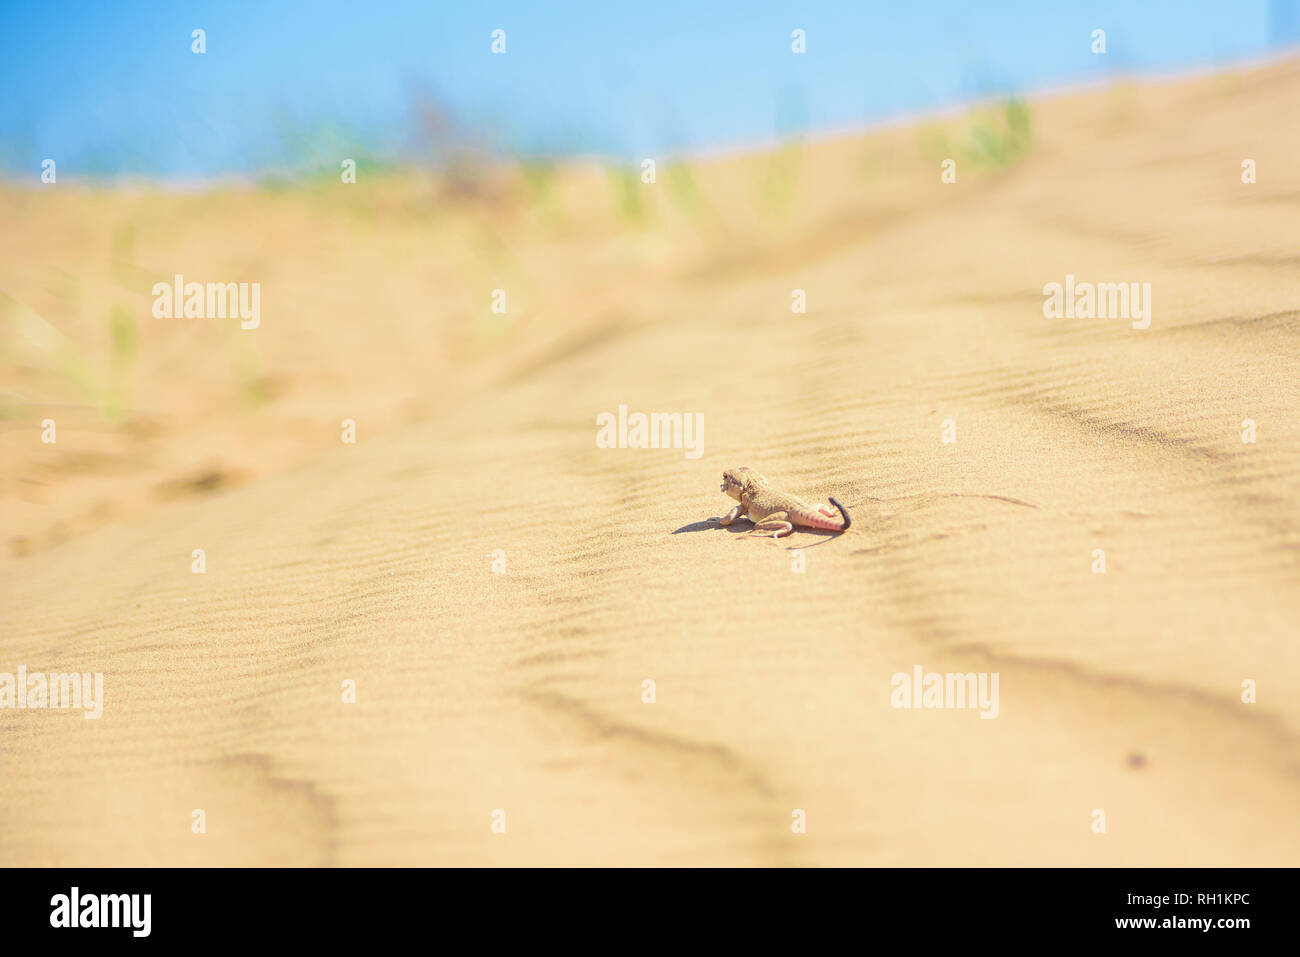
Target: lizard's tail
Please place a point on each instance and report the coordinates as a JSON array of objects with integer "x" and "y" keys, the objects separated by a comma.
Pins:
[{"x": 844, "y": 512}]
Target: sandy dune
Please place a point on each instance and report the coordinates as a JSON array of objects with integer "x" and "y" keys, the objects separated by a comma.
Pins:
[{"x": 522, "y": 690}]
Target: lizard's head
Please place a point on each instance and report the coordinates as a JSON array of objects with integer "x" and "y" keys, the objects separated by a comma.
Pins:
[{"x": 736, "y": 481}]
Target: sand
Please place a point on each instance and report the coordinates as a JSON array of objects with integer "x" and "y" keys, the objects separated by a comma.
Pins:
[{"x": 521, "y": 689}]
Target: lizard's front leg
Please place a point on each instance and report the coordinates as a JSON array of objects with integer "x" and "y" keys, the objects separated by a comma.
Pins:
[
  {"x": 731, "y": 516},
  {"x": 777, "y": 524}
]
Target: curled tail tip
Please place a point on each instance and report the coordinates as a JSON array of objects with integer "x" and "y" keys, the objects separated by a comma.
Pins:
[{"x": 844, "y": 512}]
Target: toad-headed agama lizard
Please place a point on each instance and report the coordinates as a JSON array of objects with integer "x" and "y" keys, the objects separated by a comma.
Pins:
[{"x": 773, "y": 511}]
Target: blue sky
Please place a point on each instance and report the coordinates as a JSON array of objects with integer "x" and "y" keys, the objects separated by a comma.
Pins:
[{"x": 113, "y": 87}]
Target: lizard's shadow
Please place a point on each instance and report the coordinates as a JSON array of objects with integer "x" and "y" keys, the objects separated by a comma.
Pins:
[
  {"x": 826, "y": 537},
  {"x": 738, "y": 527}
]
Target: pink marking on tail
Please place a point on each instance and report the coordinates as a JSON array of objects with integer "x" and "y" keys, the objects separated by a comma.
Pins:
[{"x": 818, "y": 520}]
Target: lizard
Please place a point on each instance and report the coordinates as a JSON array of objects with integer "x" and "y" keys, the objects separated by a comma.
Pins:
[{"x": 774, "y": 511}]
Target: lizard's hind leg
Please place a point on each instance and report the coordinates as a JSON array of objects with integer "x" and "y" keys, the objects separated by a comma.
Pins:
[{"x": 776, "y": 524}]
